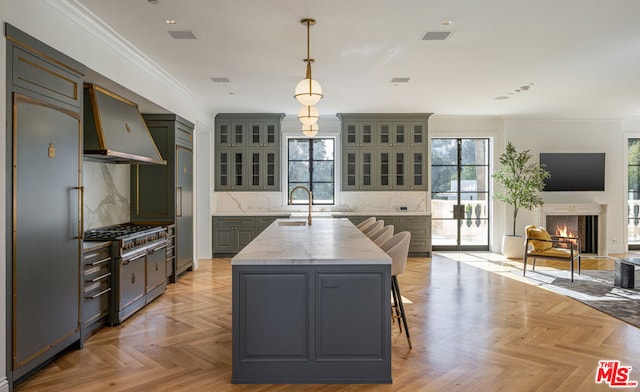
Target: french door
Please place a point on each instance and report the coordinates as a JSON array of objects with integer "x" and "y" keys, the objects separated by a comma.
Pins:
[
  {"x": 633, "y": 189},
  {"x": 460, "y": 193}
]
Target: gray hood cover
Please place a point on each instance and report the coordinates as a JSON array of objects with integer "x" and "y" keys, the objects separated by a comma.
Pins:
[{"x": 114, "y": 130}]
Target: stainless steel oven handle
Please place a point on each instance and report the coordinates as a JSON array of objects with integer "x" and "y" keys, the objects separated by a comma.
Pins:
[
  {"x": 127, "y": 260},
  {"x": 158, "y": 248}
]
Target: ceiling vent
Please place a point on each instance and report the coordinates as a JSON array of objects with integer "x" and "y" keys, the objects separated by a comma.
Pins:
[
  {"x": 182, "y": 34},
  {"x": 436, "y": 35},
  {"x": 400, "y": 80},
  {"x": 220, "y": 80}
]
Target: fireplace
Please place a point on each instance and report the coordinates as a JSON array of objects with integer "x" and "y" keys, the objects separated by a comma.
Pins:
[
  {"x": 587, "y": 221},
  {"x": 584, "y": 227}
]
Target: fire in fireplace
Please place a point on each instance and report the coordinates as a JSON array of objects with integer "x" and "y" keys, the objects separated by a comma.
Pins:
[{"x": 584, "y": 227}]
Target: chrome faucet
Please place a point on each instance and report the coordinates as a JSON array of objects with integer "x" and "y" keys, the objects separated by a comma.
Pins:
[{"x": 291, "y": 199}]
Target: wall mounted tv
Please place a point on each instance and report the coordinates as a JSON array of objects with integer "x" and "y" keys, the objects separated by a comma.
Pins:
[{"x": 574, "y": 171}]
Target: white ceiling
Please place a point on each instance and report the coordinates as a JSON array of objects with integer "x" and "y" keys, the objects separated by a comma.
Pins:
[{"x": 582, "y": 56}]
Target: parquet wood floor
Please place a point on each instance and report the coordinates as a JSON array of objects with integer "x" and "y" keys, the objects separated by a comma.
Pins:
[{"x": 472, "y": 330}]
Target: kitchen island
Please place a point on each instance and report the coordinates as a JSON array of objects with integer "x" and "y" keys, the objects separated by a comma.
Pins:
[{"x": 311, "y": 305}]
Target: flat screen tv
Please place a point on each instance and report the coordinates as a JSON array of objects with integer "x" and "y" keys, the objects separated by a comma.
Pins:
[{"x": 574, "y": 171}]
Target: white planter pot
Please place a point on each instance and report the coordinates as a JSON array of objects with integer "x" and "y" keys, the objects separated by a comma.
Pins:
[{"x": 513, "y": 246}]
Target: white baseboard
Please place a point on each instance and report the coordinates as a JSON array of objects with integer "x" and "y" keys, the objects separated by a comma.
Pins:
[{"x": 4, "y": 385}]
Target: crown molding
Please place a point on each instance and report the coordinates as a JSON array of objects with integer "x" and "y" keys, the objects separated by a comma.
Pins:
[{"x": 93, "y": 25}]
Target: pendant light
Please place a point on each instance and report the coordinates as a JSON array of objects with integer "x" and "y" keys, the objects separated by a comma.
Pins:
[
  {"x": 308, "y": 115},
  {"x": 308, "y": 91},
  {"x": 310, "y": 130}
]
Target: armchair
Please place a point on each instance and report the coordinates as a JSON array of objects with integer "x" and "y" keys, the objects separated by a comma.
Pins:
[{"x": 540, "y": 244}]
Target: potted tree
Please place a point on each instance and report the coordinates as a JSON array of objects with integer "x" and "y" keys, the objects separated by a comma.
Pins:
[{"x": 521, "y": 181}]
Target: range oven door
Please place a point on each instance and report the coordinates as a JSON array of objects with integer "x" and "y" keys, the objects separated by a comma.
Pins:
[
  {"x": 156, "y": 271},
  {"x": 130, "y": 286}
]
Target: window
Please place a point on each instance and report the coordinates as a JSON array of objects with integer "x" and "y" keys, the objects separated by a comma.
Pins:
[{"x": 311, "y": 164}]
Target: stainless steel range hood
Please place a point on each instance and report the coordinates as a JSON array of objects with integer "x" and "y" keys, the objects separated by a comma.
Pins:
[{"x": 114, "y": 130}]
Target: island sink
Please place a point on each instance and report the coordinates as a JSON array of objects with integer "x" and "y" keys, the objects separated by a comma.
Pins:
[{"x": 291, "y": 223}]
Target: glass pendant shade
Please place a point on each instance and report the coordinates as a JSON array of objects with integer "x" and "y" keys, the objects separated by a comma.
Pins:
[
  {"x": 308, "y": 93},
  {"x": 310, "y": 130},
  {"x": 308, "y": 115}
]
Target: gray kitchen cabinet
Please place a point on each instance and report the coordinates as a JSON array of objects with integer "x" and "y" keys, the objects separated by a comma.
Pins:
[
  {"x": 357, "y": 170},
  {"x": 230, "y": 166},
  {"x": 392, "y": 134},
  {"x": 247, "y": 152},
  {"x": 171, "y": 253},
  {"x": 418, "y": 225},
  {"x": 264, "y": 133},
  {"x": 358, "y": 134},
  {"x": 397, "y": 145},
  {"x": 420, "y": 228},
  {"x": 418, "y": 134},
  {"x": 44, "y": 186},
  {"x": 232, "y": 233},
  {"x": 391, "y": 169},
  {"x": 264, "y": 173},
  {"x": 401, "y": 169},
  {"x": 184, "y": 209},
  {"x": 164, "y": 194},
  {"x": 96, "y": 286}
]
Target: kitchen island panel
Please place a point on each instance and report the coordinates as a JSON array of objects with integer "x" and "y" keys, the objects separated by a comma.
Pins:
[
  {"x": 268, "y": 297},
  {"x": 347, "y": 324},
  {"x": 351, "y": 314}
]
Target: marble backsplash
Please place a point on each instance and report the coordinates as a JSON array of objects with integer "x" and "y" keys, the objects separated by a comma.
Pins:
[
  {"x": 348, "y": 201},
  {"x": 106, "y": 194}
]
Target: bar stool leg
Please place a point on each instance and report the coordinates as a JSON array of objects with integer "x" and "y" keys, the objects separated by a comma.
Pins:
[
  {"x": 395, "y": 306},
  {"x": 404, "y": 317}
]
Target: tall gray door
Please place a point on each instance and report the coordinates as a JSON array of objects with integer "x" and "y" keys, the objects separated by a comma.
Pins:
[
  {"x": 46, "y": 244},
  {"x": 184, "y": 208}
]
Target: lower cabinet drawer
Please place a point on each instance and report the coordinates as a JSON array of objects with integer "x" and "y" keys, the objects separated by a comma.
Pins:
[{"x": 96, "y": 301}]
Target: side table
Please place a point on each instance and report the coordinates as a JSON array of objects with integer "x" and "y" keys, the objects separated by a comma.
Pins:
[{"x": 624, "y": 272}]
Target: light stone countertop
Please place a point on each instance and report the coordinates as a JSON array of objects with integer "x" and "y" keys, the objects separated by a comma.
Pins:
[{"x": 326, "y": 241}]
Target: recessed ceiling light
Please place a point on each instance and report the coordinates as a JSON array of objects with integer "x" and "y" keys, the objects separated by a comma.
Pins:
[
  {"x": 170, "y": 21},
  {"x": 447, "y": 22},
  {"x": 400, "y": 80},
  {"x": 500, "y": 98},
  {"x": 153, "y": 2}
]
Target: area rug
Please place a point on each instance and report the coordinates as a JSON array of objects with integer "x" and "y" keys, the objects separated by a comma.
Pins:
[{"x": 594, "y": 288}]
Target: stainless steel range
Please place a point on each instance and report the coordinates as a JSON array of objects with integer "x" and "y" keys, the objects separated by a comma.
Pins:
[{"x": 139, "y": 262}]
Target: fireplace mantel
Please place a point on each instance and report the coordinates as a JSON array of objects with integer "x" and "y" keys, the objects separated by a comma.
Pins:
[{"x": 599, "y": 210}]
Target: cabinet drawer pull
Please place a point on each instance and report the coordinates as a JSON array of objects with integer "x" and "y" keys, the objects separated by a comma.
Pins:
[
  {"x": 99, "y": 278},
  {"x": 100, "y": 261},
  {"x": 103, "y": 292}
]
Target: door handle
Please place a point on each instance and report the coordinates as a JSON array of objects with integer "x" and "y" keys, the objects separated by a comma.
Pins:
[
  {"x": 458, "y": 211},
  {"x": 180, "y": 204},
  {"x": 80, "y": 190}
]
